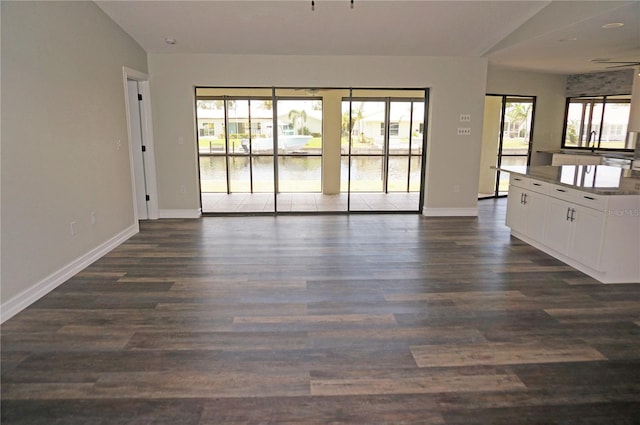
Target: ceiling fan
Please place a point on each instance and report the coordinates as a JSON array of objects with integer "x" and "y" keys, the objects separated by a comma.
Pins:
[
  {"x": 616, "y": 64},
  {"x": 312, "y": 91}
]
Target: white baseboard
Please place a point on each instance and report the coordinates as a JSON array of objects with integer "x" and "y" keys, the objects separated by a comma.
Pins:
[
  {"x": 30, "y": 295},
  {"x": 180, "y": 213},
  {"x": 450, "y": 212}
]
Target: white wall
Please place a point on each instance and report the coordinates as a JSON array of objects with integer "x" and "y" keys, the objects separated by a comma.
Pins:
[
  {"x": 457, "y": 87},
  {"x": 63, "y": 110},
  {"x": 549, "y": 90}
]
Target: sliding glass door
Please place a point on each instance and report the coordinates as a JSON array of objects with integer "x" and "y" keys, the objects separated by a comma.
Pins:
[
  {"x": 508, "y": 132},
  {"x": 383, "y": 153},
  {"x": 310, "y": 150}
]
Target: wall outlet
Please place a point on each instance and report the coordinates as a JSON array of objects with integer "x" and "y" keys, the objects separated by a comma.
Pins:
[
  {"x": 183, "y": 189},
  {"x": 465, "y": 118},
  {"x": 464, "y": 131},
  {"x": 456, "y": 188},
  {"x": 180, "y": 140},
  {"x": 94, "y": 219},
  {"x": 74, "y": 228},
  {"x": 118, "y": 144}
]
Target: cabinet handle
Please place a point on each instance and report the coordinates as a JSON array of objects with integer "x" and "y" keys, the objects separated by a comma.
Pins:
[
  {"x": 536, "y": 184},
  {"x": 589, "y": 198},
  {"x": 573, "y": 211},
  {"x": 568, "y": 217},
  {"x": 525, "y": 198},
  {"x": 560, "y": 190}
]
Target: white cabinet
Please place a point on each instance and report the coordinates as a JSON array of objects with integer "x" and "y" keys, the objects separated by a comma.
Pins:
[
  {"x": 526, "y": 207},
  {"x": 559, "y": 228},
  {"x": 575, "y": 231},
  {"x": 597, "y": 234},
  {"x": 588, "y": 235}
]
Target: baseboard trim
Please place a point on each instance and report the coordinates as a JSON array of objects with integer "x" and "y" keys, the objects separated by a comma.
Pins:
[
  {"x": 180, "y": 213},
  {"x": 30, "y": 295},
  {"x": 450, "y": 212}
]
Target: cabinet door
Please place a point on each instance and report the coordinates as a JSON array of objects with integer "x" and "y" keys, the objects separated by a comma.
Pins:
[
  {"x": 535, "y": 216},
  {"x": 557, "y": 233},
  {"x": 515, "y": 209},
  {"x": 588, "y": 235}
]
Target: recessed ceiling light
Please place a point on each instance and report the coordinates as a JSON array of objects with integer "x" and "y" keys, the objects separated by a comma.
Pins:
[
  {"x": 170, "y": 40},
  {"x": 613, "y": 25}
]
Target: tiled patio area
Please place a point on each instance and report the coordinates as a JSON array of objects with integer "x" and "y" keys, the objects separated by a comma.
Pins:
[{"x": 308, "y": 202}]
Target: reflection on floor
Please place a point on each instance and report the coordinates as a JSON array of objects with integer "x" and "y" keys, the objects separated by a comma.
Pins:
[{"x": 308, "y": 202}]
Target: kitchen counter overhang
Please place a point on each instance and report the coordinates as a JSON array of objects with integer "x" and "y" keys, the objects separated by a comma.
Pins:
[{"x": 597, "y": 179}]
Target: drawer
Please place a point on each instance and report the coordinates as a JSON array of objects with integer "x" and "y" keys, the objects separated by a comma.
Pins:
[
  {"x": 540, "y": 186},
  {"x": 578, "y": 197},
  {"x": 519, "y": 181},
  {"x": 562, "y": 192},
  {"x": 592, "y": 200}
]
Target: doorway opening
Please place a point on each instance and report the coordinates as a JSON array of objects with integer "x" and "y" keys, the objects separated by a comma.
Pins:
[
  {"x": 141, "y": 149},
  {"x": 506, "y": 141}
]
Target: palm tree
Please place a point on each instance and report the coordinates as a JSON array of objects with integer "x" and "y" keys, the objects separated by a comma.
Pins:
[
  {"x": 518, "y": 114},
  {"x": 298, "y": 119}
]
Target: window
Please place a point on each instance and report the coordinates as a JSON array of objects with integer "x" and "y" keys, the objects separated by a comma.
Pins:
[{"x": 599, "y": 121}]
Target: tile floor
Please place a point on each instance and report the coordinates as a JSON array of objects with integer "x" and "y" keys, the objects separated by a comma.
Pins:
[{"x": 308, "y": 202}]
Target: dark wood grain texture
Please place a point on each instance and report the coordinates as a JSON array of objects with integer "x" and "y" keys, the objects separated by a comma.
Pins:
[{"x": 361, "y": 319}]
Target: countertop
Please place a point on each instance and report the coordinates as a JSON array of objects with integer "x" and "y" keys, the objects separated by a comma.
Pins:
[
  {"x": 600, "y": 179},
  {"x": 597, "y": 152}
]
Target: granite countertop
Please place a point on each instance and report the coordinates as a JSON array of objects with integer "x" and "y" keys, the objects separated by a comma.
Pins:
[
  {"x": 597, "y": 152},
  {"x": 600, "y": 179}
]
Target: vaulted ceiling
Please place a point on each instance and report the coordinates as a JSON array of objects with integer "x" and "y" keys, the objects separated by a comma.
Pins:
[{"x": 549, "y": 36}]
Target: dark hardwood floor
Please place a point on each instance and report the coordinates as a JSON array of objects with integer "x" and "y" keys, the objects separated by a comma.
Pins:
[{"x": 362, "y": 319}]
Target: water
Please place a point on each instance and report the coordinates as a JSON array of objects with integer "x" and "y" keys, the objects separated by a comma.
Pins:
[{"x": 304, "y": 173}]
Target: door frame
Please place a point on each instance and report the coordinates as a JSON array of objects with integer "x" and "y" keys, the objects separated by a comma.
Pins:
[
  {"x": 146, "y": 124},
  {"x": 499, "y": 155}
]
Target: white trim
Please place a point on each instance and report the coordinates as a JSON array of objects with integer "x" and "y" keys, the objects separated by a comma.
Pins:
[
  {"x": 30, "y": 295},
  {"x": 147, "y": 137},
  {"x": 450, "y": 212},
  {"x": 181, "y": 213}
]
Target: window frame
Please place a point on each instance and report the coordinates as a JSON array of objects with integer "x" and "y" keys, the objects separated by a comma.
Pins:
[{"x": 598, "y": 124}]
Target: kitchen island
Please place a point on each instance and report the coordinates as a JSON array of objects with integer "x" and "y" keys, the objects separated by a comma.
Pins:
[{"x": 587, "y": 216}]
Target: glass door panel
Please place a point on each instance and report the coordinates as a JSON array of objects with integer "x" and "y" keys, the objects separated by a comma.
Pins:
[
  {"x": 417, "y": 130},
  {"x": 400, "y": 121},
  {"x": 398, "y": 177},
  {"x": 368, "y": 127},
  {"x": 299, "y": 136},
  {"x": 259, "y": 140},
  {"x": 213, "y": 175},
  {"x": 238, "y": 125},
  {"x": 367, "y": 174},
  {"x": 509, "y": 119},
  {"x": 299, "y": 174}
]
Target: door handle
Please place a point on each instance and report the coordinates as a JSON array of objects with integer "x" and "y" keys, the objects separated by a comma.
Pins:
[
  {"x": 568, "y": 217},
  {"x": 525, "y": 198},
  {"x": 573, "y": 211}
]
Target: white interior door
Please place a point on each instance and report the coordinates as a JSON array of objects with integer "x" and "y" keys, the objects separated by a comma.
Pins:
[{"x": 137, "y": 146}]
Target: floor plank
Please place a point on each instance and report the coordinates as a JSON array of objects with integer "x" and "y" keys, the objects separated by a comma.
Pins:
[{"x": 360, "y": 319}]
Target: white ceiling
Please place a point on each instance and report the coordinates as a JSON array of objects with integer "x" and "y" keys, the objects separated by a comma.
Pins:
[{"x": 549, "y": 36}]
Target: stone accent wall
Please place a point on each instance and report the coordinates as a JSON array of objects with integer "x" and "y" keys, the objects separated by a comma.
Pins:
[{"x": 600, "y": 84}]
